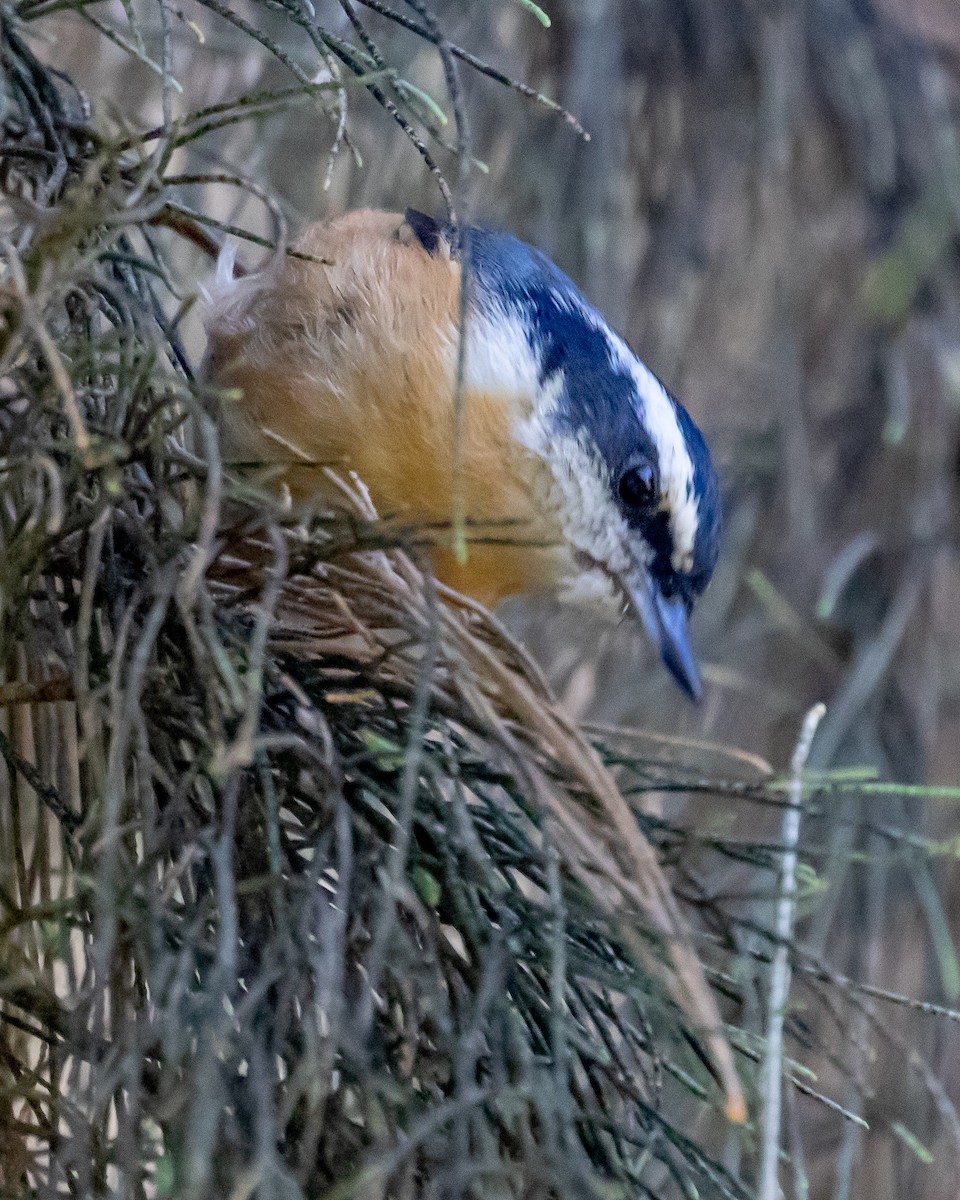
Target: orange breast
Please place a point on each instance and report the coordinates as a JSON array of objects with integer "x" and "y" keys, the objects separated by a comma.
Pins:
[{"x": 351, "y": 364}]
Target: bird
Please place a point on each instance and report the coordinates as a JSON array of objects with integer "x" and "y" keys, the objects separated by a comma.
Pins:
[{"x": 578, "y": 472}]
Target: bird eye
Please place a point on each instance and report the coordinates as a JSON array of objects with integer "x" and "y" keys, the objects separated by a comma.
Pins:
[{"x": 638, "y": 486}]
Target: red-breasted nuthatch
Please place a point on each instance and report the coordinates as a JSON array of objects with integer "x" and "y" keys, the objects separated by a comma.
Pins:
[{"x": 578, "y": 471}]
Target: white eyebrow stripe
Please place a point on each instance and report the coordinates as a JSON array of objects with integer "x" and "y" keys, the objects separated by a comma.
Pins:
[{"x": 659, "y": 417}]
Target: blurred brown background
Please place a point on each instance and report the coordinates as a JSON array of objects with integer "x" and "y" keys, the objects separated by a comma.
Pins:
[{"x": 769, "y": 210}]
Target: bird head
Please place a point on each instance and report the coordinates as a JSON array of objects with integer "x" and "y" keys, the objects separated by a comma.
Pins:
[{"x": 629, "y": 475}]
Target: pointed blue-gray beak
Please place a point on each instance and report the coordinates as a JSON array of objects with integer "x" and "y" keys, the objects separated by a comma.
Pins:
[{"x": 665, "y": 620}]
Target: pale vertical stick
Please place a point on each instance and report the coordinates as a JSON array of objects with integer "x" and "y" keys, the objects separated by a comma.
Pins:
[{"x": 780, "y": 967}]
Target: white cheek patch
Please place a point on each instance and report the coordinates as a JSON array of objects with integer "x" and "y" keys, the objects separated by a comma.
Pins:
[
  {"x": 580, "y": 494},
  {"x": 659, "y": 417},
  {"x": 500, "y": 362},
  {"x": 594, "y": 589},
  {"x": 499, "y": 358}
]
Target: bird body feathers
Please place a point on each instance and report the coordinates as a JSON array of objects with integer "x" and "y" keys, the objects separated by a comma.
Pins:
[
  {"x": 577, "y": 471},
  {"x": 352, "y": 364}
]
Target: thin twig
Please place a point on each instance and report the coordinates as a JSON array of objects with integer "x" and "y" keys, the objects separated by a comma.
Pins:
[
  {"x": 780, "y": 968},
  {"x": 49, "y": 350}
]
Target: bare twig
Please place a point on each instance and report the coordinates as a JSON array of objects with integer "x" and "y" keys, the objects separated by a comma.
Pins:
[{"x": 779, "y": 990}]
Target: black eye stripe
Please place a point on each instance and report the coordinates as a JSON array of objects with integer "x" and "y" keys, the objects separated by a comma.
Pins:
[{"x": 637, "y": 487}]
